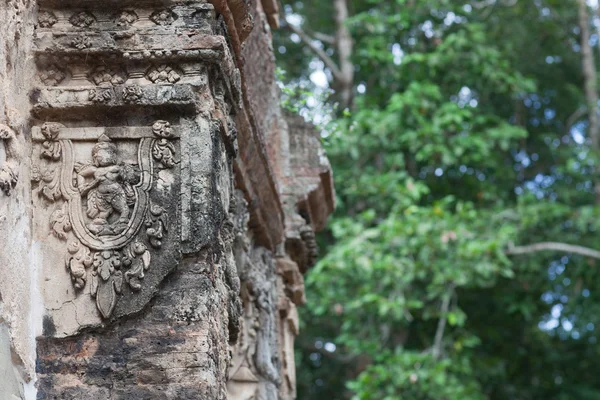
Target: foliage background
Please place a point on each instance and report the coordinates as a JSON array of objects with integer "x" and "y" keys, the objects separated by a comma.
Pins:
[{"x": 467, "y": 135}]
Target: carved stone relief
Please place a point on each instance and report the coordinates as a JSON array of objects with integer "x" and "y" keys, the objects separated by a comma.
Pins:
[
  {"x": 52, "y": 76},
  {"x": 121, "y": 190},
  {"x": 163, "y": 73},
  {"x": 9, "y": 168},
  {"x": 104, "y": 75},
  {"x": 47, "y": 19},
  {"x": 290, "y": 286},
  {"x": 81, "y": 42},
  {"x": 82, "y": 19},
  {"x": 126, "y": 18},
  {"x": 254, "y": 371},
  {"x": 163, "y": 17},
  {"x": 100, "y": 193},
  {"x": 288, "y": 330}
]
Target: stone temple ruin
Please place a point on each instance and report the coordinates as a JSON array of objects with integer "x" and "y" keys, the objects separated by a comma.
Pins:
[{"x": 158, "y": 207}]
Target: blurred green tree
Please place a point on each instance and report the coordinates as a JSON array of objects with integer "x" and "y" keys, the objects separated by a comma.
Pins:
[{"x": 460, "y": 264}]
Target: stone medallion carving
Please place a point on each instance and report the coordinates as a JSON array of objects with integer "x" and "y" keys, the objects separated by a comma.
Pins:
[
  {"x": 100, "y": 183},
  {"x": 81, "y": 42}
]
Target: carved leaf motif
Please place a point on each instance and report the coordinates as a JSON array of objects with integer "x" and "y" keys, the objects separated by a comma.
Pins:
[
  {"x": 132, "y": 94},
  {"x": 53, "y": 75},
  {"x": 108, "y": 75},
  {"x": 100, "y": 95},
  {"x": 49, "y": 184},
  {"x": 162, "y": 129},
  {"x": 163, "y": 74},
  {"x": 47, "y": 19},
  {"x": 105, "y": 263},
  {"x": 52, "y": 148},
  {"x": 106, "y": 294},
  {"x": 94, "y": 288},
  {"x": 81, "y": 42},
  {"x": 163, "y": 17},
  {"x": 163, "y": 151},
  {"x": 126, "y": 18},
  {"x": 82, "y": 19},
  {"x": 156, "y": 224},
  {"x": 78, "y": 259},
  {"x": 138, "y": 257},
  {"x": 60, "y": 223},
  {"x": 107, "y": 280}
]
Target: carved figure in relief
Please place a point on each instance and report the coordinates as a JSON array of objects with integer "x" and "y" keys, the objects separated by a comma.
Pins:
[
  {"x": 103, "y": 207},
  {"x": 109, "y": 192}
]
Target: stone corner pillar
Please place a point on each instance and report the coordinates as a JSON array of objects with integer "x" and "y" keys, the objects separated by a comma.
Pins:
[{"x": 153, "y": 245}]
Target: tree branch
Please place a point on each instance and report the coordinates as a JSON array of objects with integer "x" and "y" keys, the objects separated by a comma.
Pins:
[
  {"x": 573, "y": 118},
  {"x": 439, "y": 333},
  {"x": 344, "y": 49},
  {"x": 328, "y": 61},
  {"x": 552, "y": 246},
  {"x": 322, "y": 37}
]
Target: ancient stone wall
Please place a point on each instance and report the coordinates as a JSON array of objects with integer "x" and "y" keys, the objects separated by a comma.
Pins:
[{"x": 157, "y": 208}]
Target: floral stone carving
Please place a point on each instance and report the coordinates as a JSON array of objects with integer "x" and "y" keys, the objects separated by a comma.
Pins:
[
  {"x": 81, "y": 42},
  {"x": 132, "y": 94},
  {"x": 104, "y": 208},
  {"x": 104, "y": 75},
  {"x": 47, "y": 19},
  {"x": 52, "y": 76},
  {"x": 100, "y": 95},
  {"x": 163, "y": 74},
  {"x": 163, "y": 17},
  {"x": 163, "y": 149},
  {"x": 82, "y": 19},
  {"x": 126, "y": 18}
]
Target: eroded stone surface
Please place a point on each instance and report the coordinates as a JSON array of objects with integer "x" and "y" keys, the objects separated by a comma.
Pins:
[
  {"x": 11, "y": 387},
  {"x": 17, "y": 264}
]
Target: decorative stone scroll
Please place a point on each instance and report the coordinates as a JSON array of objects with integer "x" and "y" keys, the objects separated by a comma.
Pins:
[{"x": 100, "y": 184}]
